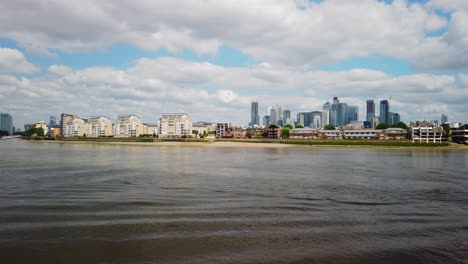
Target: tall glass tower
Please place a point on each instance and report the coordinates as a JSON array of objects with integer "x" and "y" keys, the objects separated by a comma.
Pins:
[
  {"x": 341, "y": 114},
  {"x": 384, "y": 112},
  {"x": 254, "y": 117},
  {"x": 370, "y": 110}
]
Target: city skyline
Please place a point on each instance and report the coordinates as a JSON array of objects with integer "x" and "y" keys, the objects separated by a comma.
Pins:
[{"x": 214, "y": 63}]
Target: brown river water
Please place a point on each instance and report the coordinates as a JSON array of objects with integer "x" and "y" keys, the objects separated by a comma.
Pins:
[{"x": 97, "y": 203}]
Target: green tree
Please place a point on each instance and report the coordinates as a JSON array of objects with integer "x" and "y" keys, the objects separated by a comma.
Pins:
[
  {"x": 400, "y": 125},
  {"x": 329, "y": 127},
  {"x": 285, "y": 132},
  {"x": 248, "y": 134},
  {"x": 288, "y": 126},
  {"x": 382, "y": 126},
  {"x": 299, "y": 126},
  {"x": 195, "y": 132}
]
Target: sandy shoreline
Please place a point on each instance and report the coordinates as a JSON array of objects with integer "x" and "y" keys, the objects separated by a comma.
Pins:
[{"x": 262, "y": 145}]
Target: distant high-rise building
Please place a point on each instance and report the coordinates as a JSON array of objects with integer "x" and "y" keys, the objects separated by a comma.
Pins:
[
  {"x": 52, "y": 121},
  {"x": 315, "y": 119},
  {"x": 384, "y": 109},
  {"x": 370, "y": 110},
  {"x": 341, "y": 114},
  {"x": 254, "y": 117},
  {"x": 273, "y": 116},
  {"x": 303, "y": 119},
  {"x": 326, "y": 113},
  {"x": 286, "y": 116},
  {"x": 6, "y": 123},
  {"x": 390, "y": 118},
  {"x": 353, "y": 113},
  {"x": 334, "y": 111},
  {"x": 443, "y": 119},
  {"x": 266, "y": 120},
  {"x": 396, "y": 118}
]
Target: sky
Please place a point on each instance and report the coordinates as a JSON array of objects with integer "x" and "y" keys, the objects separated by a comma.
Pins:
[{"x": 211, "y": 58}]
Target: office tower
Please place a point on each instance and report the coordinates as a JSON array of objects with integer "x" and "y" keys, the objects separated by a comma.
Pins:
[
  {"x": 334, "y": 111},
  {"x": 326, "y": 113},
  {"x": 315, "y": 119},
  {"x": 370, "y": 110},
  {"x": 266, "y": 120},
  {"x": 396, "y": 118},
  {"x": 273, "y": 116},
  {"x": 341, "y": 114},
  {"x": 303, "y": 119},
  {"x": 390, "y": 118},
  {"x": 384, "y": 109},
  {"x": 6, "y": 123},
  {"x": 254, "y": 117},
  {"x": 443, "y": 119},
  {"x": 52, "y": 121},
  {"x": 353, "y": 113},
  {"x": 286, "y": 116}
]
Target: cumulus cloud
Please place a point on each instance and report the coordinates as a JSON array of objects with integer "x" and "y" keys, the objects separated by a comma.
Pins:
[
  {"x": 215, "y": 93},
  {"x": 13, "y": 61},
  {"x": 292, "y": 33}
]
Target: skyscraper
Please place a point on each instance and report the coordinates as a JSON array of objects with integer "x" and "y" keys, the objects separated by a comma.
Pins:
[
  {"x": 370, "y": 110},
  {"x": 315, "y": 119},
  {"x": 396, "y": 118},
  {"x": 303, "y": 119},
  {"x": 341, "y": 114},
  {"x": 273, "y": 116},
  {"x": 52, "y": 121},
  {"x": 6, "y": 123},
  {"x": 254, "y": 117},
  {"x": 384, "y": 109},
  {"x": 390, "y": 118},
  {"x": 353, "y": 113},
  {"x": 334, "y": 112},
  {"x": 443, "y": 119},
  {"x": 326, "y": 112}
]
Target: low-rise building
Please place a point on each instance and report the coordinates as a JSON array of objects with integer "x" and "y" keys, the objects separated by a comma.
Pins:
[
  {"x": 239, "y": 132},
  {"x": 151, "y": 129},
  {"x": 99, "y": 126},
  {"x": 330, "y": 134},
  {"x": 423, "y": 131},
  {"x": 361, "y": 133},
  {"x": 76, "y": 127},
  {"x": 303, "y": 133},
  {"x": 394, "y": 134},
  {"x": 128, "y": 126},
  {"x": 460, "y": 136},
  {"x": 272, "y": 131},
  {"x": 203, "y": 127},
  {"x": 223, "y": 130},
  {"x": 175, "y": 125},
  {"x": 43, "y": 125}
]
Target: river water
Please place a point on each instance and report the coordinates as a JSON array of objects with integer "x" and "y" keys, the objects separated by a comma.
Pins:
[{"x": 93, "y": 203}]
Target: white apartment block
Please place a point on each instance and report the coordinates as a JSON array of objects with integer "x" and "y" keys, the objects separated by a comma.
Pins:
[
  {"x": 174, "y": 125},
  {"x": 128, "y": 126},
  {"x": 99, "y": 127},
  {"x": 426, "y": 132},
  {"x": 43, "y": 125},
  {"x": 75, "y": 127}
]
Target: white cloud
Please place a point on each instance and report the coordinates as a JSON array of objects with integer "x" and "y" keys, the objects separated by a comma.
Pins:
[
  {"x": 292, "y": 33},
  {"x": 13, "y": 61},
  {"x": 214, "y": 93}
]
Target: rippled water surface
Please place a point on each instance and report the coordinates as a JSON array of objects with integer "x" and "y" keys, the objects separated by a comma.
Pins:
[{"x": 90, "y": 203}]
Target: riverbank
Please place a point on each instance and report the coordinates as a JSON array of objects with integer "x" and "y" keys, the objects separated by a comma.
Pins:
[{"x": 269, "y": 144}]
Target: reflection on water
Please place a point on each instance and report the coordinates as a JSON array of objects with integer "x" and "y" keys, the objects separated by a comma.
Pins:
[{"x": 81, "y": 203}]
